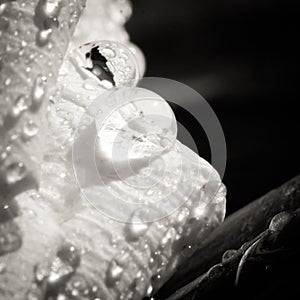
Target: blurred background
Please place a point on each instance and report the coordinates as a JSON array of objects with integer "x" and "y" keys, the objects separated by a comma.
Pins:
[{"x": 240, "y": 55}]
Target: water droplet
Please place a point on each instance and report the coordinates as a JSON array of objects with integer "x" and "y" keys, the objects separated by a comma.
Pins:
[
  {"x": 187, "y": 251},
  {"x": 4, "y": 24},
  {"x": 114, "y": 273},
  {"x": 199, "y": 211},
  {"x": 149, "y": 290},
  {"x": 43, "y": 37},
  {"x": 183, "y": 215},
  {"x": 30, "y": 129},
  {"x": 15, "y": 112},
  {"x": 3, "y": 7},
  {"x": 136, "y": 228},
  {"x": 69, "y": 254},
  {"x": 59, "y": 273},
  {"x": 15, "y": 172},
  {"x": 9, "y": 211},
  {"x": 46, "y": 18},
  {"x": 79, "y": 288},
  {"x": 90, "y": 86},
  {"x": 38, "y": 92},
  {"x": 228, "y": 254},
  {"x": 108, "y": 53},
  {"x": 34, "y": 294},
  {"x": 215, "y": 271},
  {"x": 41, "y": 272},
  {"x": 10, "y": 237},
  {"x": 5, "y": 154},
  {"x": 7, "y": 81},
  {"x": 169, "y": 236},
  {"x": 2, "y": 267},
  {"x": 280, "y": 220}
]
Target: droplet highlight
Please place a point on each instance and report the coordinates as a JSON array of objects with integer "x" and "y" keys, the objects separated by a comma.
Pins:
[{"x": 38, "y": 92}]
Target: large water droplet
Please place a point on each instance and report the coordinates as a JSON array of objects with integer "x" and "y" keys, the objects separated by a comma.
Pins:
[
  {"x": 15, "y": 172},
  {"x": 228, "y": 254},
  {"x": 114, "y": 273}
]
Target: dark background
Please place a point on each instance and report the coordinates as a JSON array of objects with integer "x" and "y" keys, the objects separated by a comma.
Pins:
[{"x": 241, "y": 56}]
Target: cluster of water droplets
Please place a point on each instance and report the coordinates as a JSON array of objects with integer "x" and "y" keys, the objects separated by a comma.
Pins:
[
  {"x": 46, "y": 19},
  {"x": 23, "y": 127},
  {"x": 110, "y": 63},
  {"x": 60, "y": 279}
]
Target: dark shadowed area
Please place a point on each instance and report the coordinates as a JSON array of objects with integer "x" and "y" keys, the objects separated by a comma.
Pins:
[{"x": 241, "y": 56}]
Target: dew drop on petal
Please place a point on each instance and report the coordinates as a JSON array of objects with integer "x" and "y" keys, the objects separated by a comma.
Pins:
[
  {"x": 10, "y": 237},
  {"x": 38, "y": 92},
  {"x": 228, "y": 254},
  {"x": 70, "y": 254},
  {"x": 15, "y": 112},
  {"x": 3, "y": 7},
  {"x": 136, "y": 227},
  {"x": 30, "y": 129},
  {"x": 114, "y": 273},
  {"x": 43, "y": 37},
  {"x": 59, "y": 272},
  {"x": 15, "y": 172}
]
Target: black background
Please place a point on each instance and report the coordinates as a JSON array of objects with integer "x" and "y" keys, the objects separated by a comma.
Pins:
[{"x": 241, "y": 56}]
